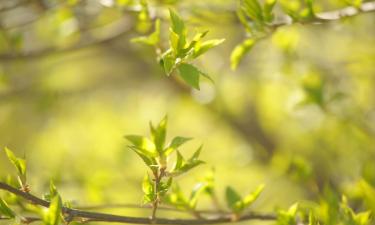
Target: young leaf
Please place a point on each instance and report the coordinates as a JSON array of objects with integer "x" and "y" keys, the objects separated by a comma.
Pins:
[
  {"x": 5, "y": 210},
  {"x": 189, "y": 74},
  {"x": 239, "y": 52},
  {"x": 268, "y": 7},
  {"x": 52, "y": 215},
  {"x": 148, "y": 190},
  {"x": 249, "y": 199},
  {"x": 52, "y": 189},
  {"x": 143, "y": 144},
  {"x": 20, "y": 165},
  {"x": 164, "y": 187},
  {"x": 176, "y": 198},
  {"x": 159, "y": 134},
  {"x": 233, "y": 200},
  {"x": 253, "y": 10},
  {"x": 175, "y": 144},
  {"x": 153, "y": 39},
  {"x": 202, "y": 48},
  {"x": 197, "y": 190}
]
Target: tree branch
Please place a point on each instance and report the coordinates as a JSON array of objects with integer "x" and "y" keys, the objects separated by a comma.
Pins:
[{"x": 85, "y": 216}]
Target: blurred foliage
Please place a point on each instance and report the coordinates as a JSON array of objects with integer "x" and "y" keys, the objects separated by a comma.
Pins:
[{"x": 297, "y": 114}]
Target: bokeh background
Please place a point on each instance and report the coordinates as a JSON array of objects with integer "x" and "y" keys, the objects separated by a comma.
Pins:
[{"x": 297, "y": 115}]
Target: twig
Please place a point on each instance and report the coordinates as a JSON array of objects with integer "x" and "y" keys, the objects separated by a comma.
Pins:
[{"x": 80, "y": 215}]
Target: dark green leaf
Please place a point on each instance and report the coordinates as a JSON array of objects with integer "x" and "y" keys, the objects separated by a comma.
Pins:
[
  {"x": 52, "y": 215},
  {"x": 189, "y": 74},
  {"x": 233, "y": 200},
  {"x": 143, "y": 144},
  {"x": 202, "y": 48},
  {"x": 250, "y": 198},
  {"x": 5, "y": 210},
  {"x": 159, "y": 134}
]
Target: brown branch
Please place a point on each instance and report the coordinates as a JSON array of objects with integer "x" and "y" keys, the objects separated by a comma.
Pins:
[{"x": 85, "y": 216}]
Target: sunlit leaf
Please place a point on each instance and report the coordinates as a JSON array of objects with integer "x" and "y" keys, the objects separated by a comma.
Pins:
[
  {"x": 205, "y": 46},
  {"x": 153, "y": 39},
  {"x": 175, "y": 144},
  {"x": 250, "y": 198},
  {"x": 190, "y": 74},
  {"x": 159, "y": 133},
  {"x": 52, "y": 215},
  {"x": 239, "y": 52}
]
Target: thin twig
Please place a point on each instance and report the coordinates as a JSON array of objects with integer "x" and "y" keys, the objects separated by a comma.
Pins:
[{"x": 80, "y": 215}]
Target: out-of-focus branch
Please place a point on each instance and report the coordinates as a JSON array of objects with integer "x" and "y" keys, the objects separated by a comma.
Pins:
[
  {"x": 119, "y": 29},
  {"x": 86, "y": 216}
]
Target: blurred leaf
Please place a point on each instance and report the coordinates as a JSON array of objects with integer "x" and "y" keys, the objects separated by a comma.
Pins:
[
  {"x": 239, "y": 52},
  {"x": 177, "y": 32},
  {"x": 268, "y": 8},
  {"x": 5, "y": 210},
  {"x": 158, "y": 134},
  {"x": 20, "y": 165},
  {"x": 197, "y": 190},
  {"x": 52, "y": 215},
  {"x": 288, "y": 217},
  {"x": 253, "y": 10},
  {"x": 250, "y": 198},
  {"x": 148, "y": 190},
  {"x": 153, "y": 39},
  {"x": 233, "y": 200}
]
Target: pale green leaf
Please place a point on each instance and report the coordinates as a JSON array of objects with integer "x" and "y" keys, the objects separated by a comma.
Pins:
[
  {"x": 239, "y": 52},
  {"x": 190, "y": 74}
]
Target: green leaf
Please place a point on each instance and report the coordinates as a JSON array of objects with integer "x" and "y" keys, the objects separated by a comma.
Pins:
[
  {"x": 153, "y": 39},
  {"x": 180, "y": 161},
  {"x": 52, "y": 190},
  {"x": 239, "y": 52},
  {"x": 19, "y": 163},
  {"x": 250, "y": 198},
  {"x": 149, "y": 161},
  {"x": 267, "y": 11},
  {"x": 52, "y": 215},
  {"x": 5, "y": 210},
  {"x": 158, "y": 134},
  {"x": 197, "y": 190},
  {"x": 177, "y": 32},
  {"x": 143, "y": 144},
  {"x": 253, "y": 10},
  {"x": 200, "y": 49},
  {"x": 288, "y": 217},
  {"x": 176, "y": 198},
  {"x": 148, "y": 189},
  {"x": 189, "y": 74},
  {"x": 164, "y": 187},
  {"x": 233, "y": 199},
  {"x": 175, "y": 144}
]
